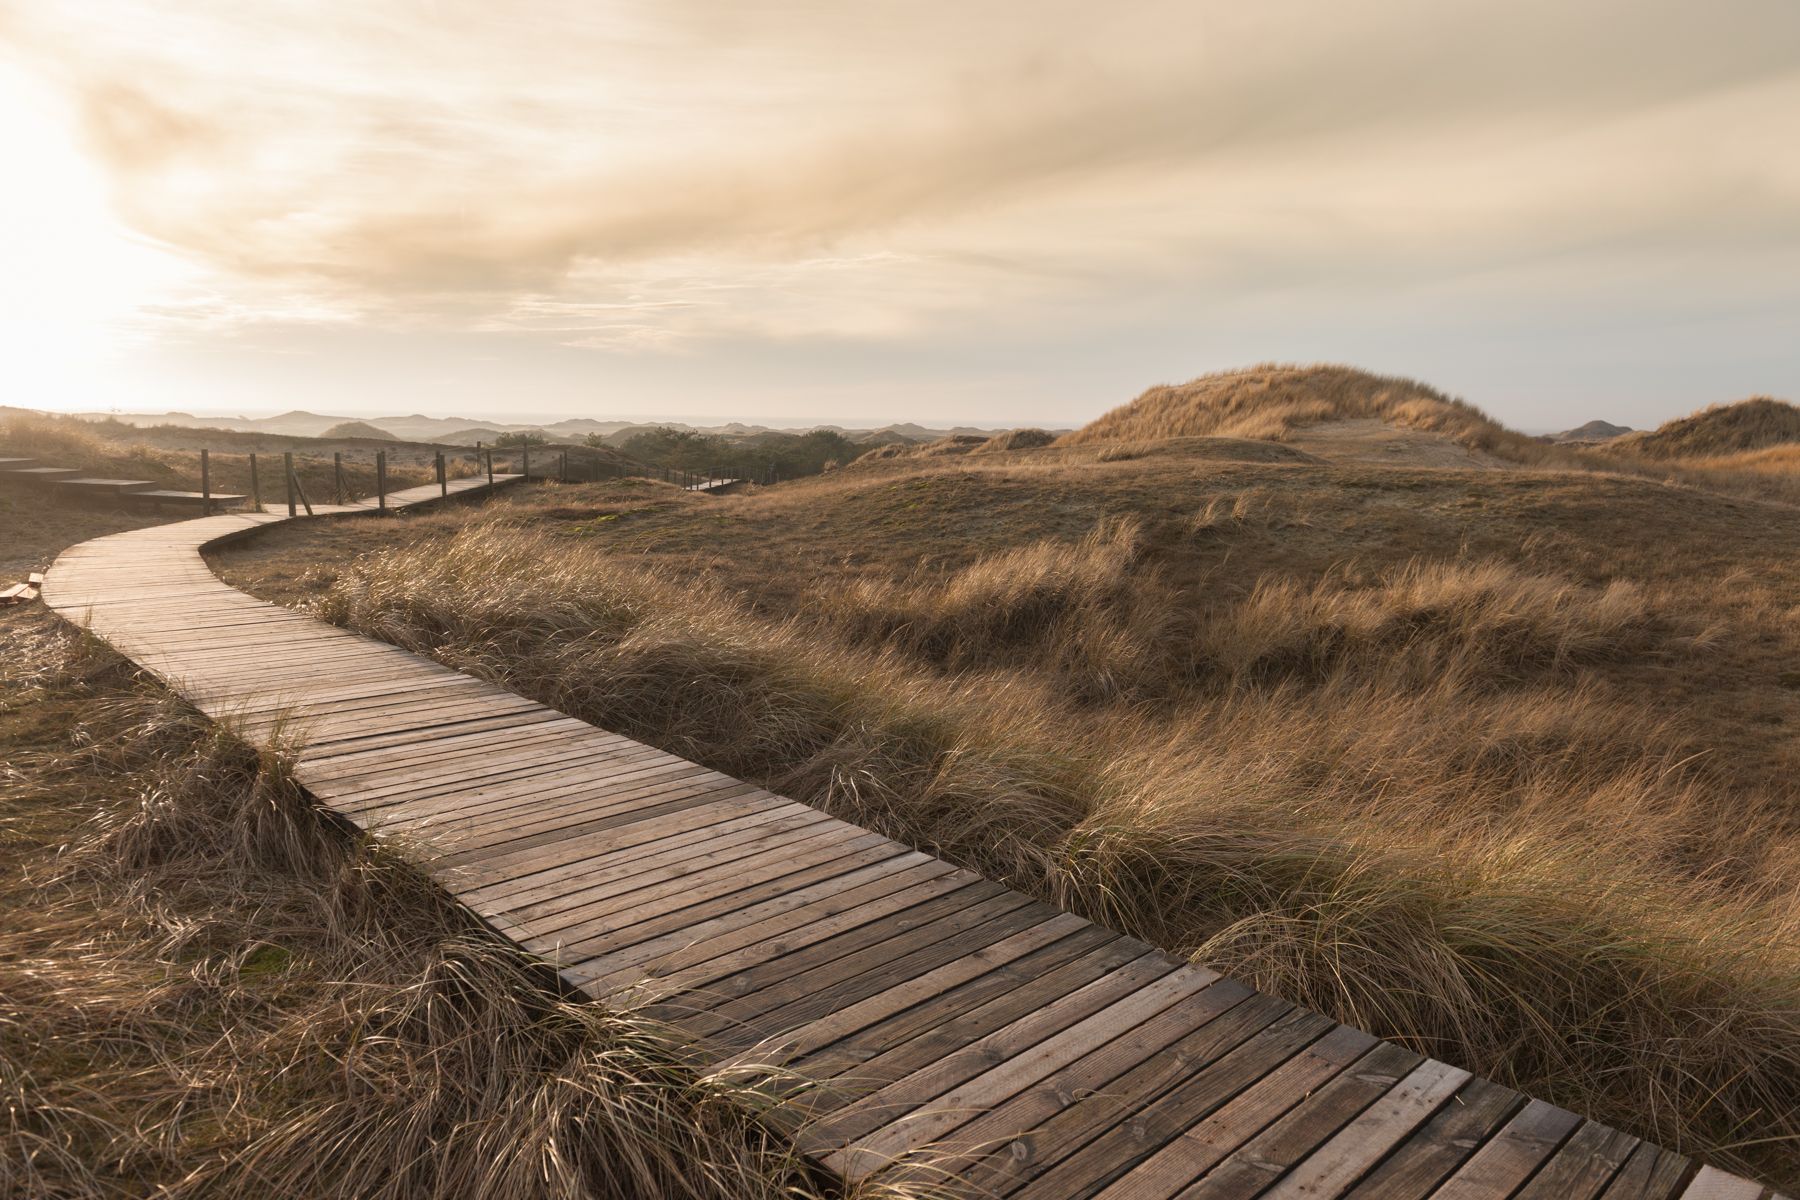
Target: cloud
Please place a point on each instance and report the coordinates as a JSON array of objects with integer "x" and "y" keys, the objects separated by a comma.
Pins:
[
  {"x": 658, "y": 176},
  {"x": 404, "y": 160}
]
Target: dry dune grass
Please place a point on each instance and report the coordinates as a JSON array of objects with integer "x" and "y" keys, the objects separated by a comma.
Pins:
[
  {"x": 1407, "y": 798},
  {"x": 1757, "y": 424},
  {"x": 1750, "y": 448},
  {"x": 212, "y": 991},
  {"x": 1271, "y": 401}
]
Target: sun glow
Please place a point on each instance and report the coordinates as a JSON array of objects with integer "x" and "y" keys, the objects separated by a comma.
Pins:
[{"x": 72, "y": 282}]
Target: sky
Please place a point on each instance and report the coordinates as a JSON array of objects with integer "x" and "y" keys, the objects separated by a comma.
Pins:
[{"x": 991, "y": 212}]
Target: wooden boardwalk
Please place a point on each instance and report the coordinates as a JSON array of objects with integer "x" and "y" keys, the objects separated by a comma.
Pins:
[{"x": 951, "y": 1024}]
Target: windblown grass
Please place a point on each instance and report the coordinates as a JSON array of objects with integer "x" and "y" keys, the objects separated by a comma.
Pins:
[
  {"x": 1403, "y": 798},
  {"x": 211, "y": 990}
]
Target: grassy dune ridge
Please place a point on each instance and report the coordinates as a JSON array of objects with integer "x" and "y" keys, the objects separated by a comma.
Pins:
[
  {"x": 1744, "y": 448},
  {"x": 212, "y": 991},
  {"x": 1760, "y": 423},
  {"x": 1273, "y": 400},
  {"x": 1410, "y": 796}
]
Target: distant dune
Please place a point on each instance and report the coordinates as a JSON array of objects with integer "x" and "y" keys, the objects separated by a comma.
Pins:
[
  {"x": 956, "y": 443},
  {"x": 358, "y": 429},
  {"x": 1593, "y": 431},
  {"x": 1016, "y": 439}
]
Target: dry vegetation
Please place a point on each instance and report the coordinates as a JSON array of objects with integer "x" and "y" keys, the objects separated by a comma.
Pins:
[
  {"x": 211, "y": 990},
  {"x": 1500, "y": 763}
]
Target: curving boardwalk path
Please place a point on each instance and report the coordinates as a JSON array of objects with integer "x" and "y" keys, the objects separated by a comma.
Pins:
[{"x": 948, "y": 1020}]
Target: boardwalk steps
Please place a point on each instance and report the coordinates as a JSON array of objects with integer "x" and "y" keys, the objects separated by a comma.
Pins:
[{"x": 1034, "y": 1054}]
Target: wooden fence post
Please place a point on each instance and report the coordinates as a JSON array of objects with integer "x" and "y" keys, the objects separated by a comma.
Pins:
[
  {"x": 287, "y": 469},
  {"x": 205, "y": 485},
  {"x": 337, "y": 477},
  {"x": 443, "y": 476},
  {"x": 381, "y": 480},
  {"x": 255, "y": 486},
  {"x": 490, "y": 467},
  {"x": 296, "y": 485},
  {"x": 564, "y": 470}
]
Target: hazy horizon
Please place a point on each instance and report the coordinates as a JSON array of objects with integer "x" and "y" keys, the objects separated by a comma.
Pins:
[{"x": 948, "y": 214}]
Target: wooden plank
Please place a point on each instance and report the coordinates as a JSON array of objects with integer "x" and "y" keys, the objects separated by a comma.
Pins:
[
  {"x": 720, "y": 858},
  {"x": 867, "y": 971},
  {"x": 1194, "y": 1096},
  {"x": 499, "y": 873},
  {"x": 555, "y": 799},
  {"x": 1033, "y": 1150},
  {"x": 1651, "y": 1173},
  {"x": 1361, "y": 1144},
  {"x": 511, "y": 738},
  {"x": 672, "y": 841},
  {"x": 731, "y": 999},
  {"x": 602, "y": 972},
  {"x": 593, "y": 939},
  {"x": 422, "y": 797},
  {"x": 1206, "y": 1143},
  {"x": 957, "y": 1003},
  {"x": 373, "y": 799},
  {"x": 1713, "y": 1184},
  {"x": 695, "y": 800},
  {"x": 1005, "y": 964},
  {"x": 930, "y": 1103},
  {"x": 575, "y": 772},
  {"x": 1248, "y": 1170},
  {"x": 1086, "y": 1083},
  {"x": 1513, "y": 1155},
  {"x": 695, "y": 979},
  {"x": 1584, "y": 1165},
  {"x": 1423, "y": 1161}
]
